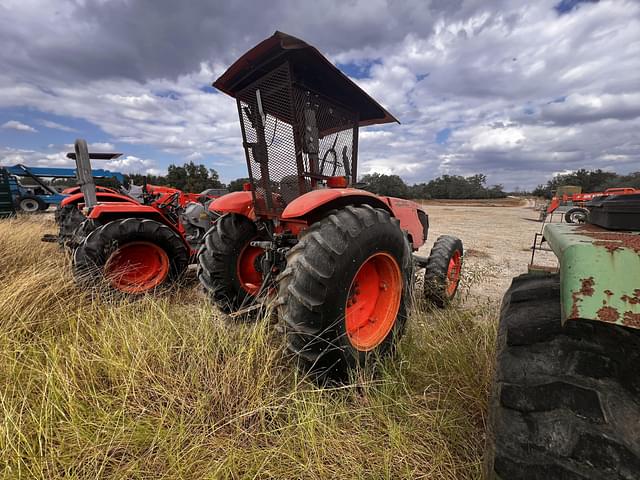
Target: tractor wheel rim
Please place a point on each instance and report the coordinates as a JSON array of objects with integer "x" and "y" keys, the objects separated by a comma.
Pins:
[
  {"x": 250, "y": 279},
  {"x": 373, "y": 301},
  {"x": 578, "y": 217},
  {"x": 137, "y": 267},
  {"x": 29, "y": 205},
  {"x": 453, "y": 273}
]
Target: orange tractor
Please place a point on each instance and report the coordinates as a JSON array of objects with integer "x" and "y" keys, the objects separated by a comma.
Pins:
[
  {"x": 570, "y": 201},
  {"x": 131, "y": 245},
  {"x": 337, "y": 260}
]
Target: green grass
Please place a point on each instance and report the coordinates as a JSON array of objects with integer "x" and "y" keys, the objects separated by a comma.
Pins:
[{"x": 164, "y": 387}]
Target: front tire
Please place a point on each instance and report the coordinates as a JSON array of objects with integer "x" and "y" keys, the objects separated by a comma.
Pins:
[
  {"x": 133, "y": 256},
  {"x": 565, "y": 401},
  {"x": 443, "y": 271},
  {"x": 343, "y": 296}
]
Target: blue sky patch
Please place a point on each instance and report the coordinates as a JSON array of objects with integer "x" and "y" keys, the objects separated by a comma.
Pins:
[
  {"x": 443, "y": 135},
  {"x": 565, "y": 6},
  {"x": 360, "y": 69}
]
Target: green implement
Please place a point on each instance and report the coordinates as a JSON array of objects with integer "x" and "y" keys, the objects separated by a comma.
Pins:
[{"x": 599, "y": 273}]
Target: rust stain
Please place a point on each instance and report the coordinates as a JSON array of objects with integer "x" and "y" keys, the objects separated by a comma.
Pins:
[
  {"x": 587, "y": 286},
  {"x": 608, "y": 292},
  {"x": 632, "y": 300},
  {"x": 631, "y": 319},
  {"x": 586, "y": 290},
  {"x": 608, "y": 314},
  {"x": 612, "y": 241}
]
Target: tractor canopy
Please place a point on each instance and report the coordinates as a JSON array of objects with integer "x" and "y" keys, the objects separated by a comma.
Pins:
[{"x": 299, "y": 116}]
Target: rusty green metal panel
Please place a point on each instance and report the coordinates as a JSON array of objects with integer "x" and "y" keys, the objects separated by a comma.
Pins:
[{"x": 599, "y": 273}]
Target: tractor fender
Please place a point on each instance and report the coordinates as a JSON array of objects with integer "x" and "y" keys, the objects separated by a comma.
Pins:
[
  {"x": 320, "y": 201},
  {"x": 76, "y": 189},
  {"x": 77, "y": 198},
  {"x": 234, "y": 202},
  {"x": 106, "y": 212},
  {"x": 413, "y": 219},
  {"x": 312, "y": 205}
]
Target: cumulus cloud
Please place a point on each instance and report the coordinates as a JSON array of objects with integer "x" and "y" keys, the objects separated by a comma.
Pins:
[
  {"x": 16, "y": 125},
  {"x": 514, "y": 89}
]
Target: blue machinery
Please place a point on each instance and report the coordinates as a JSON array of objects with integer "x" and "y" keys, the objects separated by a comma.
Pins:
[{"x": 40, "y": 196}]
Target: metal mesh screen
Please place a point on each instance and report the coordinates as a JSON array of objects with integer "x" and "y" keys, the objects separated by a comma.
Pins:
[{"x": 293, "y": 139}]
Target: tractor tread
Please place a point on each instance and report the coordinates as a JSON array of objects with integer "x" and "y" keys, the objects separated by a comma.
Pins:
[
  {"x": 312, "y": 287},
  {"x": 436, "y": 269},
  {"x": 217, "y": 256},
  {"x": 565, "y": 401},
  {"x": 92, "y": 254}
]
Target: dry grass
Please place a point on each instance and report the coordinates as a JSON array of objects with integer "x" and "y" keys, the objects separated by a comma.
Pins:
[{"x": 164, "y": 388}]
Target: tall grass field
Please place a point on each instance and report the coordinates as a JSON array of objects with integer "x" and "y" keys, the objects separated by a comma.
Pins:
[{"x": 166, "y": 387}]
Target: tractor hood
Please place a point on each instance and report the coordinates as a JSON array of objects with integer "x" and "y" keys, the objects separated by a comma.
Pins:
[{"x": 310, "y": 69}]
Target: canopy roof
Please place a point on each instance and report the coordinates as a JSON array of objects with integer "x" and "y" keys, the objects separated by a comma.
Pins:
[{"x": 310, "y": 68}]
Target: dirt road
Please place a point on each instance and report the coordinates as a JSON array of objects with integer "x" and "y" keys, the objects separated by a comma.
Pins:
[{"x": 497, "y": 241}]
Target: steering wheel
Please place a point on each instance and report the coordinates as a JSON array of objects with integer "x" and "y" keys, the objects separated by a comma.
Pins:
[
  {"x": 169, "y": 201},
  {"x": 332, "y": 151}
]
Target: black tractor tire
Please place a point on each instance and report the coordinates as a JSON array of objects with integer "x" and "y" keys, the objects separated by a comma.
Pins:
[
  {"x": 218, "y": 261},
  {"x": 314, "y": 288},
  {"x": 70, "y": 220},
  {"x": 565, "y": 401},
  {"x": 90, "y": 257},
  {"x": 435, "y": 275},
  {"x": 31, "y": 204},
  {"x": 576, "y": 215}
]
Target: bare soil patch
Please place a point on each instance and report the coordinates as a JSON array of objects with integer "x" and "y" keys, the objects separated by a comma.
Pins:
[{"x": 497, "y": 241}]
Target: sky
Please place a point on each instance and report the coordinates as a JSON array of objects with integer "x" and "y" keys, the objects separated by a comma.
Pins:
[{"x": 517, "y": 90}]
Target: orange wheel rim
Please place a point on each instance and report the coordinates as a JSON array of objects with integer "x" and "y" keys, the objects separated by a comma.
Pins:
[
  {"x": 453, "y": 273},
  {"x": 137, "y": 267},
  {"x": 373, "y": 301},
  {"x": 250, "y": 278}
]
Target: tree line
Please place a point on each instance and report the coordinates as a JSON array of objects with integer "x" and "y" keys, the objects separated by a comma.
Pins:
[
  {"x": 191, "y": 177},
  {"x": 590, "y": 181},
  {"x": 445, "y": 186}
]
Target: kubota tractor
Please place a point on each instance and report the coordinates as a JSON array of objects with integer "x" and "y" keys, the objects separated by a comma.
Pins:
[
  {"x": 565, "y": 400},
  {"x": 337, "y": 259},
  {"x": 572, "y": 203},
  {"x": 134, "y": 247}
]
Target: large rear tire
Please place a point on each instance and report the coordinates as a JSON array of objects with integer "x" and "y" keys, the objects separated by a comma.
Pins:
[
  {"x": 132, "y": 256},
  {"x": 343, "y": 296},
  {"x": 565, "y": 401},
  {"x": 228, "y": 266}
]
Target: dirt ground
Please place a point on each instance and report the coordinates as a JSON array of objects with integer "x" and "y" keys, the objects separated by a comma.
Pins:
[{"x": 497, "y": 239}]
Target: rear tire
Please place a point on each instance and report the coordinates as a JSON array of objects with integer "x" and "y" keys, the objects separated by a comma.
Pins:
[
  {"x": 31, "y": 204},
  {"x": 318, "y": 291},
  {"x": 443, "y": 271},
  {"x": 221, "y": 261},
  {"x": 565, "y": 401},
  {"x": 106, "y": 244},
  {"x": 576, "y": 215}
]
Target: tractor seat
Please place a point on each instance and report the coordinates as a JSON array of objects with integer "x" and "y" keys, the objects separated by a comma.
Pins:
[{"x": 289, "y": 188}]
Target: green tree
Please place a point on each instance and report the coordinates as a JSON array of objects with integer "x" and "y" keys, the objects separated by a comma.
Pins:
[
  {"x": 237, "y": 184},
  {"x": 391, "y": 185}
]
